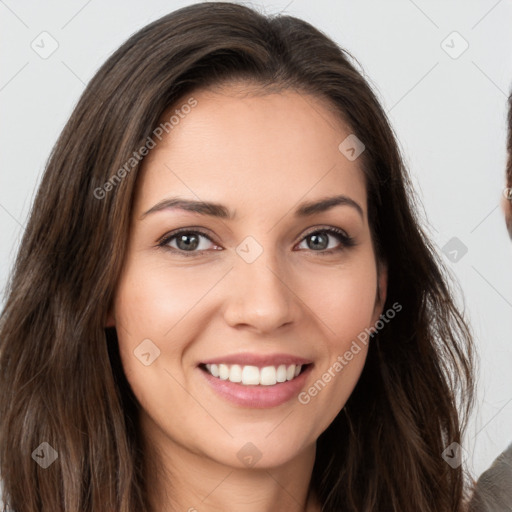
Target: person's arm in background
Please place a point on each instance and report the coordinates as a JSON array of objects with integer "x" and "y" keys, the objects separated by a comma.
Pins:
[{"x": 493, "y": 491}]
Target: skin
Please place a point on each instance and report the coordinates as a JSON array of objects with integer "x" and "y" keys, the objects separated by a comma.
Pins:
[
  {"x": 260, "y": 155},
  {"x": 506, "y": 207}
]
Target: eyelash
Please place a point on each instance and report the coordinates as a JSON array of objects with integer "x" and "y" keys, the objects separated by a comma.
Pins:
[{"x": 346, "y": 241}]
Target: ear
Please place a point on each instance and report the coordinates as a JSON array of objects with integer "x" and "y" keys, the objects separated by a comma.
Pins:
[{"x": 382, "y": 288}]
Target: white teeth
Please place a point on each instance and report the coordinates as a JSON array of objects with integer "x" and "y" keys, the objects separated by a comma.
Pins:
[
  {"x": 214, "y": 370},
  {"x": 268, "y": 376},
  {"x": 281, "y": 373},
  {"x": 252, "y": 375},
  {"x": 235, "y": 374},
  {"x": 223, "y": 371}
]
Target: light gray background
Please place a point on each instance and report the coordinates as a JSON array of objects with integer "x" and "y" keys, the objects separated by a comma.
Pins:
[{"x": 449, "y": 115}]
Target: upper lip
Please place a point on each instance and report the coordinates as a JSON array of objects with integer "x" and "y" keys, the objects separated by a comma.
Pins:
[{"x": 260, "y": 360}]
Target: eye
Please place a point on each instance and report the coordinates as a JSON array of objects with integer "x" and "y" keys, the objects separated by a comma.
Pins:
[
  {"x": 186, "y": 241},
  {"x": 319, "y": 240}
]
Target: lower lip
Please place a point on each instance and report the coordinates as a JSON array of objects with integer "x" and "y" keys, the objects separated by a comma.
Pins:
[{"x": 258, "y": 397}]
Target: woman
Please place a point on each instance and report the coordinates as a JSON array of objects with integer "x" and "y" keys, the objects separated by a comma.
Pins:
[{"x": 223, "y": 299}]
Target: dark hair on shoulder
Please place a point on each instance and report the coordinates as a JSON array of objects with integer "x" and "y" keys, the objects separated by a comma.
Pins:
[{"x": 60, "y": 372}]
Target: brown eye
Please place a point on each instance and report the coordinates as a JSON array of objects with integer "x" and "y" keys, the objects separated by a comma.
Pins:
[
  {"x": 186, "y": 241},
  {"x": 319, "y": 240}
]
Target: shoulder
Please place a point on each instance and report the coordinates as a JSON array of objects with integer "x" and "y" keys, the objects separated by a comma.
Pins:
[{"x": 493, "y": 491}]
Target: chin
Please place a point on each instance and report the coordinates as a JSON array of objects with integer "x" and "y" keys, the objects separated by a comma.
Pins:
[{"x": 258, "y": 452}]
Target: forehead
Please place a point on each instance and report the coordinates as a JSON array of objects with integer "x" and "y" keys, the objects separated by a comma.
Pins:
[{"x": 251, "y": 148}]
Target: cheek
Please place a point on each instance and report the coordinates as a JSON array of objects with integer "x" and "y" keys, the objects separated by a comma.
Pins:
[
  {"x": 343, "y": 299},
  {"x": 152, "y": 299},
  {"x": 345, "y": 304},
  {"x": 149, "y": 303},
  {"x": 329, "y": 391},
  {"x": 156, "y": 311}
]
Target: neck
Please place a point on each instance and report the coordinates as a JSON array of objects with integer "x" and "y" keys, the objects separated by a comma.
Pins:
[{"x": 181, "y": 480}]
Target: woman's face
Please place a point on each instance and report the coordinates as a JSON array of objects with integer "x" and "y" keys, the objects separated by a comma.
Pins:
[{"x": 254, "y": 288}]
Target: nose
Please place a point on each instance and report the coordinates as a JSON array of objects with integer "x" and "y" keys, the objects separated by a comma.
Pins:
[{"x": 261, "y": 295}]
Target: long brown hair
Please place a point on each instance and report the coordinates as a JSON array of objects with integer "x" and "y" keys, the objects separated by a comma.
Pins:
[{"x": 60, "y": 372}]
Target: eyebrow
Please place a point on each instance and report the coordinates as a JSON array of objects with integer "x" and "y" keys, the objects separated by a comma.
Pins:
[{"x": 306, "y": 209}]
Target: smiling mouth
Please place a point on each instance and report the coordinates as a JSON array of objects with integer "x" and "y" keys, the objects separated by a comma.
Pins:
[{"x": 247, "y": 375}]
